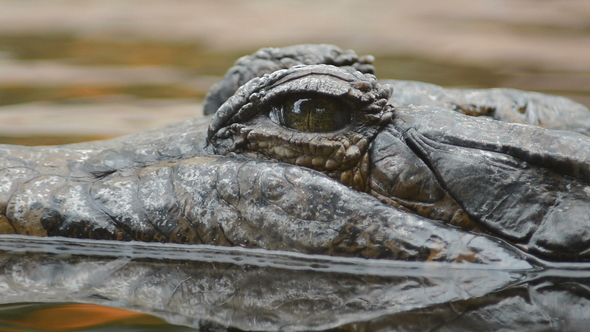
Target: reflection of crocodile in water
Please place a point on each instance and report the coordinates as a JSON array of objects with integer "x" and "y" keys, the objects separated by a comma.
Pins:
[
  {"x": 212, "y": 287},
  {"x": 405, "y": 176}
]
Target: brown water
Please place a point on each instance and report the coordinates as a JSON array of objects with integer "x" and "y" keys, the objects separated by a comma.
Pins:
[
  {"x": 78, "y": 317},
  {"x": 83, "y": 70}
]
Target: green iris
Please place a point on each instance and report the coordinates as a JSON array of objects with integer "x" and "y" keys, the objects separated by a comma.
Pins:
[{"x": 311, "y": 113}]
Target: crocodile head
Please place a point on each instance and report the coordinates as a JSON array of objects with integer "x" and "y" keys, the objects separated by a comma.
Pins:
[
  {"x": 522, "y": 183},
  {"x": 328, "y": 119}
]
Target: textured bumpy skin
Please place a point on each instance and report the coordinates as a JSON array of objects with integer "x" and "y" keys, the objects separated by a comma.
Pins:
[
  {"x": 268, "y": 60},
  {"x": 139, "y": 188},
  {"x": 528, "y": 184},
  {"x": 242, "y": 124},
  {"x": 507, "y": 105},
  {"x": 373, "y": 181}
]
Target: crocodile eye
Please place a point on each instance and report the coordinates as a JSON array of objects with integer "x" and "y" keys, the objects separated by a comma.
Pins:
[{"x": 311, "y": 113}]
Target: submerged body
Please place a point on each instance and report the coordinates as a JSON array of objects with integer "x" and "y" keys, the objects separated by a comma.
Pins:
[{"x": 388, "y": 179}]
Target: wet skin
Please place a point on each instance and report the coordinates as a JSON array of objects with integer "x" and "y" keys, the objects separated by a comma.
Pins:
[{"x": 325, "y": 159}]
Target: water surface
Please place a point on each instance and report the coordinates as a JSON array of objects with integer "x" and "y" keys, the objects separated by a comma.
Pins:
[{"x": 75, "y": 285}]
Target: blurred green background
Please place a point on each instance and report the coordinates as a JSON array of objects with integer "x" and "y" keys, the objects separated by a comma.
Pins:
[{"x": 84, "y": 70}]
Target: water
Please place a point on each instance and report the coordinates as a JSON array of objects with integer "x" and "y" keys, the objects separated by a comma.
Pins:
[
  {"x": 79, "y": 317},
  {"x": 75, "y": 285},
  {"x": 53, "y": 86},
  {"x": 90, "y": 285}
]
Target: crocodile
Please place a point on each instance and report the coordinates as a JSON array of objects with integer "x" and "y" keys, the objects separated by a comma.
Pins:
[{"x": 307, "y": 151}]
